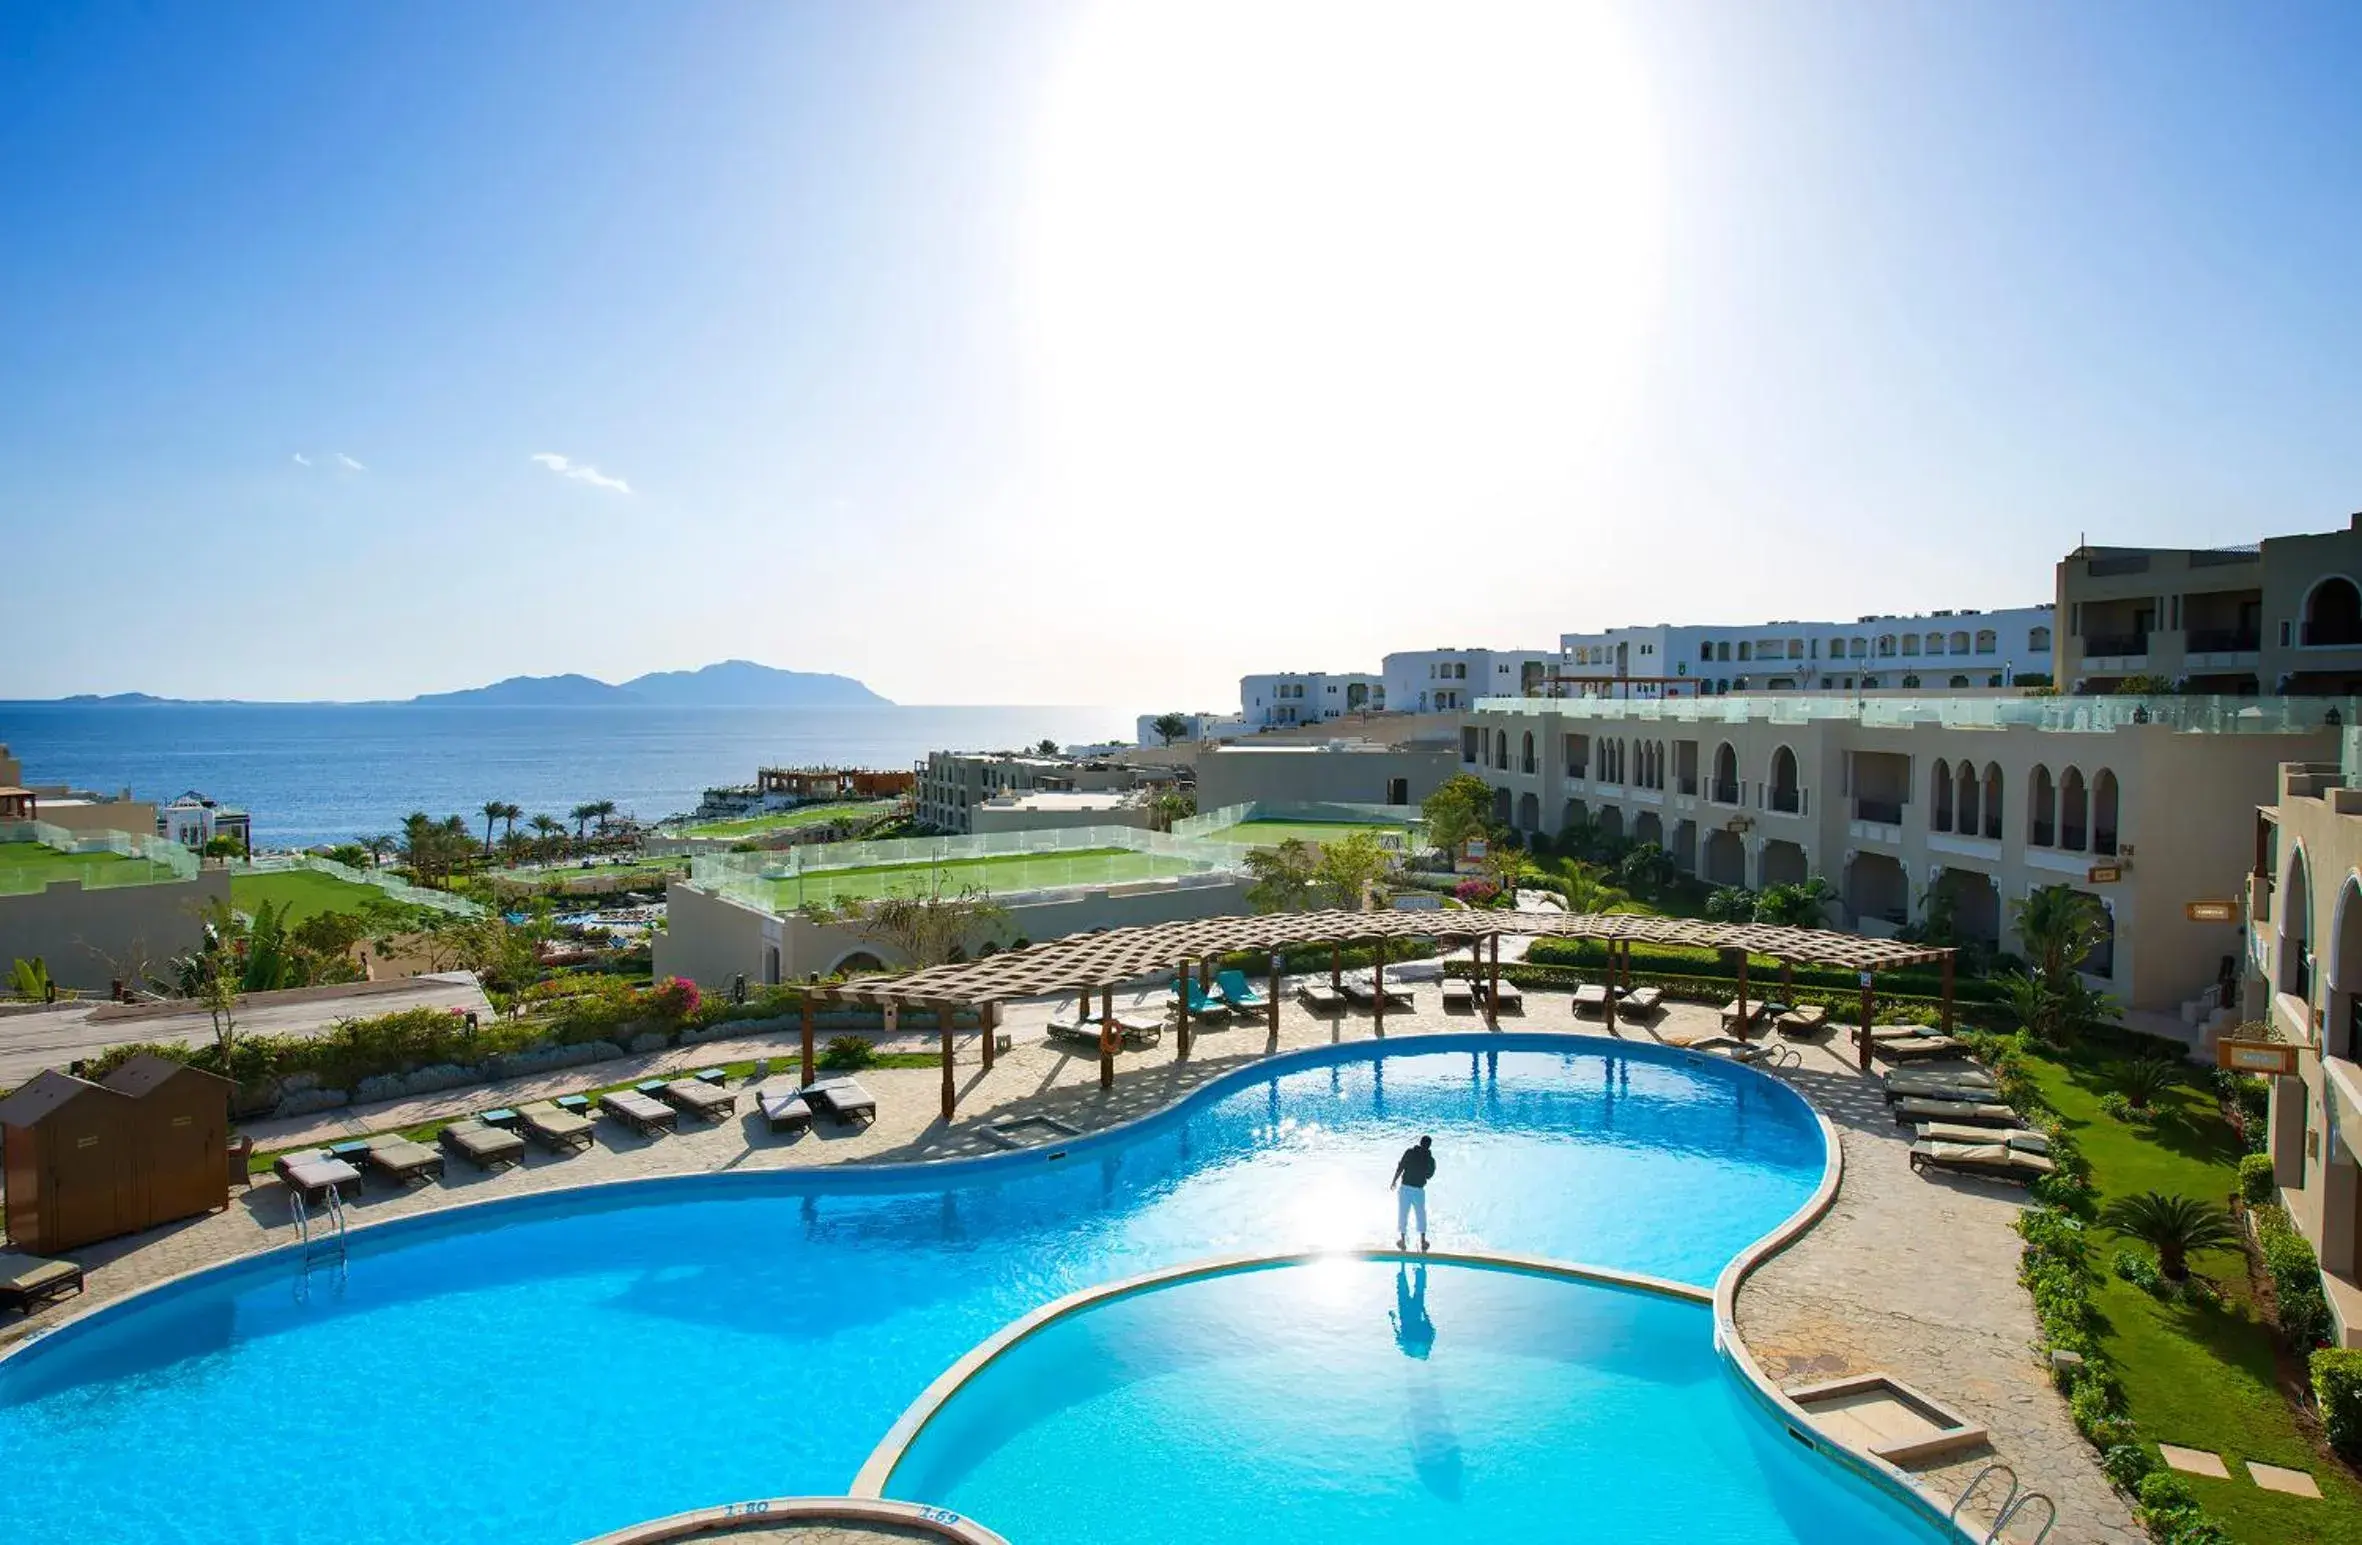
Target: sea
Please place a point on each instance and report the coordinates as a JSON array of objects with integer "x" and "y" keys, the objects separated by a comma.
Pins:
[{"x": 313, "y": 772}]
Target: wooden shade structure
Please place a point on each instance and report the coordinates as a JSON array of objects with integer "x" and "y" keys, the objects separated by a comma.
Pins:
[
  {"x": 87, "y": 1161},
  {"x": 1094, "y": 962}
]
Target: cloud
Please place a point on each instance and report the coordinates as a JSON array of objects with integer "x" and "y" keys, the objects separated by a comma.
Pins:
[
  {"x": 580, "y": 471},
  {"x": 302, "y": 460},
  {"x": 348, "y": 463}
]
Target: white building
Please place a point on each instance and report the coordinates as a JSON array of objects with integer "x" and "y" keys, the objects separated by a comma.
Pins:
[
  {"x": 1308, "y": 697},
  {"x": 1202, "y": 726},
  {"x": 1940, "y": 652},
  {"x": 1451, "y": 680}
]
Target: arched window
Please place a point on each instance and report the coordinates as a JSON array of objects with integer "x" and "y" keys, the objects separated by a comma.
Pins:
[
  {"x": 1526, "y": 756},
  {"x": 2296, "y": 929},
  {"x": 1960, "y": 642},
  {"x": 1993, "y": 801},
  {"x": 1858, "y": 648},
  {"x": 1935, "y": 643},
  {"x": 1501, "y": 751},
  {"x": 2103, "y": 812},
  {"x": 2042, "y": 810},
  {"x": 1787, "y": 793},
  {"x": 2333, "y": 612},
  {"x": 1886, "y": 645},
  {"x": 1964, "y": 816},
  {"x": 1987, "y": 641},
  {"x": 1910, "y": 643},
  {"x": 1746, "y": 650},
  {"x": 2038, "y": 640},
  {"x": 1940, "y": 807},
  {"x": 1960, "y": 681},
  {"x": 1726, "y": 775},
  {"x": 2074, "y": 812}
]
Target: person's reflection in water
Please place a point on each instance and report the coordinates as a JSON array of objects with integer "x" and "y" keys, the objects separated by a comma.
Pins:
[{"x": 1427, "y": 1426}]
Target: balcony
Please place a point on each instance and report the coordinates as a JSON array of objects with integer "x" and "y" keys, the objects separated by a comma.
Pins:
[
  {"x": 1723, "y": 792},
  {"x": 1879, "y": 812},
  {"x": 2115, "y": 645},
  {"x": 2340, "y": 634},
  {"x": 1687, "y": 786},
  {"x": 1786, "y": 801},
  {"x": 2224, "y": 641}
]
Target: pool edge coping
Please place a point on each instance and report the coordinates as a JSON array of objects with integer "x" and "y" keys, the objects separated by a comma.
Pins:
[{"x": 700, "y": 1521}]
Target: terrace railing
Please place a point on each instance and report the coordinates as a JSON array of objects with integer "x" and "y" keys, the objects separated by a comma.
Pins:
[
  {"x": 2097, "y": 714},
  {"x": 395, "y": 887},
  {"x": 156, "y": 859}
]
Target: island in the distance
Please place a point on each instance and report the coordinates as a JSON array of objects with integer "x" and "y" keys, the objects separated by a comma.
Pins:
[{"x": 728, "y": 684}]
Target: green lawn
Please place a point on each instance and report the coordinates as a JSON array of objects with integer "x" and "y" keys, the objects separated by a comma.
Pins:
[
  {"x": 1000, "y": 875},
  {"x": 595, "y": 878},
  {"x": 2202, "y": 1375},
  {"x": 1270, "y": 834},
  {"x": 30, "y": 866},
  {"x": 789, "y": 820},
  {"x": 302, "y": 893}
]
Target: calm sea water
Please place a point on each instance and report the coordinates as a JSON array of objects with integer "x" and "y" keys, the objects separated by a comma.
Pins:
[{"x": 329, "y": 773}]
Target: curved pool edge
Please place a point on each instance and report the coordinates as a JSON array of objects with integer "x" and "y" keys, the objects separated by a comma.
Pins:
[
  {"x": 879, "y": 1467},
  {"x": 854, "y": 1175},
  {"x": 762, "y": 1512},
  {"x": 1884, "y": 1475}
]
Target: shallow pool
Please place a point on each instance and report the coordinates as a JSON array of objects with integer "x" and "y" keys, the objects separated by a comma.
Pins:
[
  {"x": 1353, "y": 1400},
  {"x": 554, "y": 1366}
]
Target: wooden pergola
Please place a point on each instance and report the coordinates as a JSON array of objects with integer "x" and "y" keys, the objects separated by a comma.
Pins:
[{"x": 1084, "y": 964}]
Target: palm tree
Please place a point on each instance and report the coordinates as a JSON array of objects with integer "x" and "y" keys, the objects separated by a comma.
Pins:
[
  {"x": 493, "y": 811},
  {"x": 379, "y": 846},
  {"x": 1171, "y": 726},
  {"x": 601, "y": 811},
  {"x": 582, "y": 816},
  {"x": 2141, "y": 1082},
  {"x": 510, "y": 815},
  {"x": 2173, "y": 1226},
  {"x": 547, "y": 828},
  {"x": 2059, "y": 927}
]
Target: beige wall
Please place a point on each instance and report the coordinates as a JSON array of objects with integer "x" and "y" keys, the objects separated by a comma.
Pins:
[
  {"x": 136, "y": 817},
  {"x": 85, "y": 936},
  {"x": 1236, "y": 775},
  {"x": 710, "y": 939},
  {"x": 2307, "y": 980},
  {"x": 2183, "y": 831},
  {"x": 991, "y": 818}
]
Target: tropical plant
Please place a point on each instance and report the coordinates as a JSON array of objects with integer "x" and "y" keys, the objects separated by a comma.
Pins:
[
  {"x": 434, "y": 849},
  {"x": 2173, "y": 1226},
  {"x": 1586, "y": 894},
  {"x": 1457, "y": 812},
  {"x": 1171, "y": 726},
  {"x": 1348, "y": 872},
  {"x": 1283, "y": 876},
  {"x": 2060, "y": 927},
  {"x": 2142, "y": 1081},
  {"x": 847, "y": 1054},
  {"x": 493, "y": 810},
  {"x": 1506, "y": 866},
  {"x": 381, "y": 845},
  {"x": 582, "y": 816},
  {"x": 547, "y": 829},
  {"x": 1804, "y": 904},
  {"x": 1730, "y": 904},
  {"x": 928, "y": 926},
  {"x": 1045, "y": 747},
  {"x": 29, "y": 980},
  {"x": 601, "y": 811},
  {"x": 1166, "y": 806},
  {"x": 223, "y": 846},
  {"x": 1647, "y": 870}
]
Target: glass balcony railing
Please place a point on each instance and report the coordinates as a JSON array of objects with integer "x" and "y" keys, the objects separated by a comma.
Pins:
[
  {"x": 1723, "y": 793},
  {"x": 2224, "y": 640},
  {"x": 2115, "y": 643},
  {"x": 2098, "y": 714},
  {"x": 1787, "y": 801}
]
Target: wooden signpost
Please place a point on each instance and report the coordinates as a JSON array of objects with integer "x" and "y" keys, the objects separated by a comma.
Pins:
[
  {"x": 2272, "y": 1058},
  {"x": 2211, "y": 911}
]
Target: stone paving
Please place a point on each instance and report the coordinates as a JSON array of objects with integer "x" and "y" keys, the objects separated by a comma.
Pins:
[{"x": 1911, "y": 1276}]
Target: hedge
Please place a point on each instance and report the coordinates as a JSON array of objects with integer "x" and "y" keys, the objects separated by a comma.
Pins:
[
  {"x": 2256, "y": 1185},
  {"x": 1893, "y": 1008},
  {"x": 1683, "y": 960},
  {"x": 2337, "y": 1385},
  {"x": 2296, "y": 1278}
]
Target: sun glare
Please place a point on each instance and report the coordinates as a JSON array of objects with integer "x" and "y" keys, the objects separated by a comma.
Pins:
[{"x": 1359, "y": 261}]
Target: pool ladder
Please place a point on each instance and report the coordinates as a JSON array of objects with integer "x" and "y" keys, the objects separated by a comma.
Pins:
[
  {"x": 328, "y": 1237},
  {"x": 2013, "y": 1501}
]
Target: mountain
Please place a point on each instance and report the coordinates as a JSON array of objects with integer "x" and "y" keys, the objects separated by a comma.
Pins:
[
  {"x": 531, "y": 692},
  {"x": 744, "y": 684},
  {"x": 116, "y": 699}
]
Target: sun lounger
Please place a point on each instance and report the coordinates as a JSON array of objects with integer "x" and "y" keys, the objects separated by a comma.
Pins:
[
  {"x": 1321, "y": 997},
  {"x": 1812, "y": 1019},
  {"x": 1202, "y": 1004},
  {"x": 843, "y": 1098},
  {"x": 27, "y": 1281},
  {"x": 402, "y": 1161},
  {"x": 1894, "y": 1032},
  {"x": 1362, "y": 988},
  {"x": 560, "y": 1131},
  {"x": 486, "y": 1147},
  {"x": 1967, "y": 1083},
  {"x": 1641, "y": 1000},
  {"x": 1995, "y": 1161},
  {"x": 1730, "y": 1015},
  {"x": 1961, "y": 1132},
  {"x": 1458, "y": 994},
  {"x": 314, "y": 1174},
  {"x": 1591, "y": 998},
  {"x": 1753, "y": 1053},
  {"x": 1510, "y": 996},
  {"x": 1240, "y": 993},
  {"x": 783, "y": 1106},
  {"x": 703, "y": 1101},
  {"x": 646, "y": 1116},
  {"x": 1911, "y": 1047},
  {"x": 1982, "y": 1113}
]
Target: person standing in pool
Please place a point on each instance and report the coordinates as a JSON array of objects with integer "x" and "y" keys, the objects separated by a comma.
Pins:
[{"x": 1411, "y": 1173}]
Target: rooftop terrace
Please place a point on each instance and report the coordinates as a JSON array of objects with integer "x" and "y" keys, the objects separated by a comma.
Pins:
[{"x": 2207, "y": 715}]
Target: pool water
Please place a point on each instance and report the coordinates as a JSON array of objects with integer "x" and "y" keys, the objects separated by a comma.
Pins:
[
  {"x": 558, "y": 1365},
  {"x": 1356, "y": 1400}
]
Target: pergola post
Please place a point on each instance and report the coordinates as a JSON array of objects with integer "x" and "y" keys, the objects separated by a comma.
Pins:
[
  {"x": 1271, "y": 992},
  {"x": 1948, "y": 992},
  {"x": 1378, "y": 1004},
  {"x": 1492, "y": 990},
  {"x": 1607, "y": 1010},
  {"x": 1788, "y": 982},
  {"x": 986, "y": 1015},
  {"x": 1869, "y": 1012},
  {"x": 1106, "y": 1028},
  {"x": 1181, "y": 995},
  {"x": 1742, "y": 1025},
  {"x": 1336, "y": 966},
  {"x": 951, "y": 1096},
  {"x": 807, "y": 1048}
]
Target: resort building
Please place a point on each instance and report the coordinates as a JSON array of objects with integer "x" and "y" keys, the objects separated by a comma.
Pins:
[
  {"x": 2281, "y": 616},
  {"x": 74, "y": 810},
  {"x": 1939, "y": 652},
  {"x": 193, "y": 820},
  {"x": 1352, "y": 772},
  {"x": 1451, "y": 680},
  {"x": 1201, "y": 726},
  {"x": 1050, "y": 809},
  {"x": 2304, "y": 913},
  {"x": 951, "y": 784},
  {"x": 100, "y": 908},
  {"x": 1963, "y": 805},
  {"x": 1308, "y": 697}
]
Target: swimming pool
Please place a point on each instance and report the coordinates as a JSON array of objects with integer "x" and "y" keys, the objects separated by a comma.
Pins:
[
  {"x": 1356, "y": 1400},
  {"x": 560, "y": 1364}
]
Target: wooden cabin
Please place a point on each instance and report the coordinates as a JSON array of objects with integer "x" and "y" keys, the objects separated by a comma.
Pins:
[{"x": 87, "y": 1161}]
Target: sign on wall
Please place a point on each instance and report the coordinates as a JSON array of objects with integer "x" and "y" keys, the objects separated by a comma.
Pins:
[
  {"x": 2211, "y": 911},
  {"x": 2273, "y": 1058},
  {"x": 2104, "y": 874}
]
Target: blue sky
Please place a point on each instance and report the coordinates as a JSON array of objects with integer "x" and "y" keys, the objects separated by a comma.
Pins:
[{"x": 1041, "y": 352}]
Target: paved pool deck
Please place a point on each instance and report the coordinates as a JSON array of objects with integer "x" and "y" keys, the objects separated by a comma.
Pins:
[{"x": 1912, "y": 1276}]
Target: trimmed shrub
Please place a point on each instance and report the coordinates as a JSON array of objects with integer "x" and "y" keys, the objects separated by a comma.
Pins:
[
  {"x": 2296, "y": 1278},
  {"x": 2162, "y": 1491},
  {"x": 847, "y": 1054},
  {"x": 2127, "y": 1464},
  {"x": 2137, "y": 1269},
  {"x": 2256, "y": 1186},
  {"x": 2337, "y": 1386}
]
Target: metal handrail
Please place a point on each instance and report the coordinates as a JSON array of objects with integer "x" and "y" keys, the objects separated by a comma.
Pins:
[
  {"x": 2014, "y": 1508},
  {"x": 1977, "y": 1480}
]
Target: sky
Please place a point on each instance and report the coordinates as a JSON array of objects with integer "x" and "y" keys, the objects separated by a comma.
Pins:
[{"x": 1045, "y": 351}]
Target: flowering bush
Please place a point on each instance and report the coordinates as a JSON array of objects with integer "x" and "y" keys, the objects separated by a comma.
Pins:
[
  {"x": 1477, "y": 893},
  {"x": 675, "y": 998}
]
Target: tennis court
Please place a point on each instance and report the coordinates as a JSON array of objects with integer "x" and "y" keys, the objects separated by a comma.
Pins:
[
  {"x": 1270, "y": 834},
  {"x": 999, "y": 875}
]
